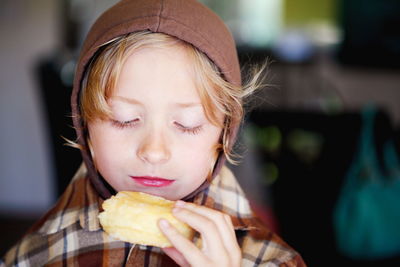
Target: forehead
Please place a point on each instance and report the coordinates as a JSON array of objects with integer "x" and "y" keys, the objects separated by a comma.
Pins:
[{"x": 149, "y": 72}]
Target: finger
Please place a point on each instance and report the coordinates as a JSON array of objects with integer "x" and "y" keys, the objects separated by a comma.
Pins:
[
  {"x": 174, "y": 254},
  {"x": 213, "y": 244},
  {"x": 222, "y": 221},
  {"x": 189, "y": 251},
  {"x": 232, "y": 245}
]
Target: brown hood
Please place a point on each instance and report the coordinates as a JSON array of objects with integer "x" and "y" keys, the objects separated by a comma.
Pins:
[{"x": 187, "y": 20}]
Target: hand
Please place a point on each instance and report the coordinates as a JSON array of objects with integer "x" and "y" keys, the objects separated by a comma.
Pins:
[{"x": 220, "y": 247}]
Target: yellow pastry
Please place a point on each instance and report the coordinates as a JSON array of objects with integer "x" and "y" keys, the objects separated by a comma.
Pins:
[{"x": 133, "y": 217}]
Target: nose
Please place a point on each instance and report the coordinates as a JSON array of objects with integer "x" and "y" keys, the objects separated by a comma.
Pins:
[{"x": 154, "y": 149}]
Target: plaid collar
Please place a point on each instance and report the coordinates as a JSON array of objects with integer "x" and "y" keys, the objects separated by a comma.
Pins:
[{"x": 79, "y": 203}]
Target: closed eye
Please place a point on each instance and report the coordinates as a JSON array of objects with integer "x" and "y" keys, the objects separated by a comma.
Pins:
[
  {"x": 125, "y": 124},
  {"x": 189, "y": 130}
]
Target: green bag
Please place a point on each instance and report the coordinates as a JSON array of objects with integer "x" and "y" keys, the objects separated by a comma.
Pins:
[{"x": 366, "y": 218}]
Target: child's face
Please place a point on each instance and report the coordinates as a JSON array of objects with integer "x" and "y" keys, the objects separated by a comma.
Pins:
[{"x": 159, "y": 129}]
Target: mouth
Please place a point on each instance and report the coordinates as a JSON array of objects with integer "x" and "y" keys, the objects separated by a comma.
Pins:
[{"x": 152, "y": 181}]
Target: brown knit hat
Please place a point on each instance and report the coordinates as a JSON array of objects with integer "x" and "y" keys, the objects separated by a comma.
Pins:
[{"x": 187, "y": 20}]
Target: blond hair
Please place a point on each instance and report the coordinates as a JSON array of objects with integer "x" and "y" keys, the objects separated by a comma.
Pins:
[{"x": 216, "y": 94}]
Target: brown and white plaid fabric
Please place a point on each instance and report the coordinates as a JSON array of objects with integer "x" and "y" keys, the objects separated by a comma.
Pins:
[{"x": 70, "y": 233}]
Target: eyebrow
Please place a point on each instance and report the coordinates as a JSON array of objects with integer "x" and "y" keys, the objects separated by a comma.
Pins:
[
  {"x": 188, "y": 105},
  {"x": 133, "y": 101}
]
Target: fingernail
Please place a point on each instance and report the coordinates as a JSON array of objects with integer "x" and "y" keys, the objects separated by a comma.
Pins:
[
  {"x": 176, "y": 209},
  {"x": 164, "y": 223},
  {"x": 179, "y": 203}
]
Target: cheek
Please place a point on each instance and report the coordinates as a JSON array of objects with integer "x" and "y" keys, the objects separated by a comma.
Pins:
[
  {"x": 196, "y": 165},
  {"x": 200, "y": 156},
  {"x": 105, "y": 145}
]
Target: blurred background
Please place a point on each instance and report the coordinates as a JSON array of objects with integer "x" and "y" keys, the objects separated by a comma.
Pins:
[{"x": 328, "y": 61}]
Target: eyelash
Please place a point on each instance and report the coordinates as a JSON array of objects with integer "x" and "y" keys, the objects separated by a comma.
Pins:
[
  {"x": 193, "y": 130},
  {"x": 125, "y": 124},
  {"x": 132, "y": 123}
]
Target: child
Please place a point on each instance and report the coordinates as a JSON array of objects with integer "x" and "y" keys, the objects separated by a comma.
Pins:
[{"x": 156, "y": 104}]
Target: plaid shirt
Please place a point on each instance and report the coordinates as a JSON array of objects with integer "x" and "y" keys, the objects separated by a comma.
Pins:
[{"x": 70, "y": 233}]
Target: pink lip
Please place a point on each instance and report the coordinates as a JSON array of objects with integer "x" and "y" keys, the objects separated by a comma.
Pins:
[{"x": 152, "y": 181}]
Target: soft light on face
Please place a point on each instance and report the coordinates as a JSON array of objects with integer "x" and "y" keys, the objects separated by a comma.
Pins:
[{"x": 159, "y": 140}]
